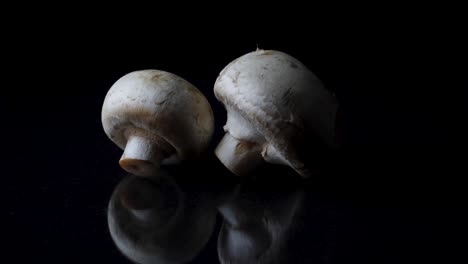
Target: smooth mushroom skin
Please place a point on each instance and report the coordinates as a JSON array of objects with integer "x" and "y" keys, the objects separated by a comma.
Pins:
[
  {"x": 157, "y": 118},
  {"x": 275, "y": 108},
  {"x": 157, "y": 222}
]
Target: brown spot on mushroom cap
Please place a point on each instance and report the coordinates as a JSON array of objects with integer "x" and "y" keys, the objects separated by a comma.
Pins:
[
  {"x": 236, "y": 77},
  {"x": 156, "y": 76}
]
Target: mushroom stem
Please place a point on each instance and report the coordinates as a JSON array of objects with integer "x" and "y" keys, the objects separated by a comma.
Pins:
[
  {"x": 141, "y": 156},
  {"x": 240, "y": 157}
]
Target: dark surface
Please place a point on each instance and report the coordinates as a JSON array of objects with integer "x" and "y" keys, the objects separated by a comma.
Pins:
[{"x": 396, "y": 188}]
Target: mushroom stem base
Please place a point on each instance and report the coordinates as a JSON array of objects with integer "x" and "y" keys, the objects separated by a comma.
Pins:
[
  {"x": 239, "y": 156},
  {"x": 141, "y": 157}
]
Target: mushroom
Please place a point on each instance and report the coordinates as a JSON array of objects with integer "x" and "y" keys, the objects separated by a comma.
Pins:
[
  {"x": 278, "y": 111},
  {"x": 157, "y": 118},
  {"x": 157, "y": 221}
]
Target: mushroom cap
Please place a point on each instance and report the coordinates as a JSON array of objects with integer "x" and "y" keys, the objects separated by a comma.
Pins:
[
  {"x": 282, "y": 99},
  {"x": 161, "y": 106}
]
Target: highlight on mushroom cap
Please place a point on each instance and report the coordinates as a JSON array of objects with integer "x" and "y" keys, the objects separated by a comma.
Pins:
[
  {"x": 157, "y": 118},
  {"x": 280, "y": 99}
]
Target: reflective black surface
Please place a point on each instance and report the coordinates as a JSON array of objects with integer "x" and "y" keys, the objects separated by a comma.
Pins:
[
  {"x": 394, "y": 193},
  {"x": 282, "y": 219},
  {"x": 162, "y": 224}
]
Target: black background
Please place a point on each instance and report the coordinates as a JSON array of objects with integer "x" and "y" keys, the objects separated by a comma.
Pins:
[{"x": 402, "y": 91}]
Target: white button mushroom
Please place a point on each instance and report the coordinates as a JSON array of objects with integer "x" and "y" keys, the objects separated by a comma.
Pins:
[
  {"x": 158, "y": 118},
  {"x": 275, "y": 108}
]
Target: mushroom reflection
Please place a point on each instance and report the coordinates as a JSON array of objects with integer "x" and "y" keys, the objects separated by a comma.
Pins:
[
  {"x": 273, "y": 226},
  {"x": 156, "y": 222}
]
